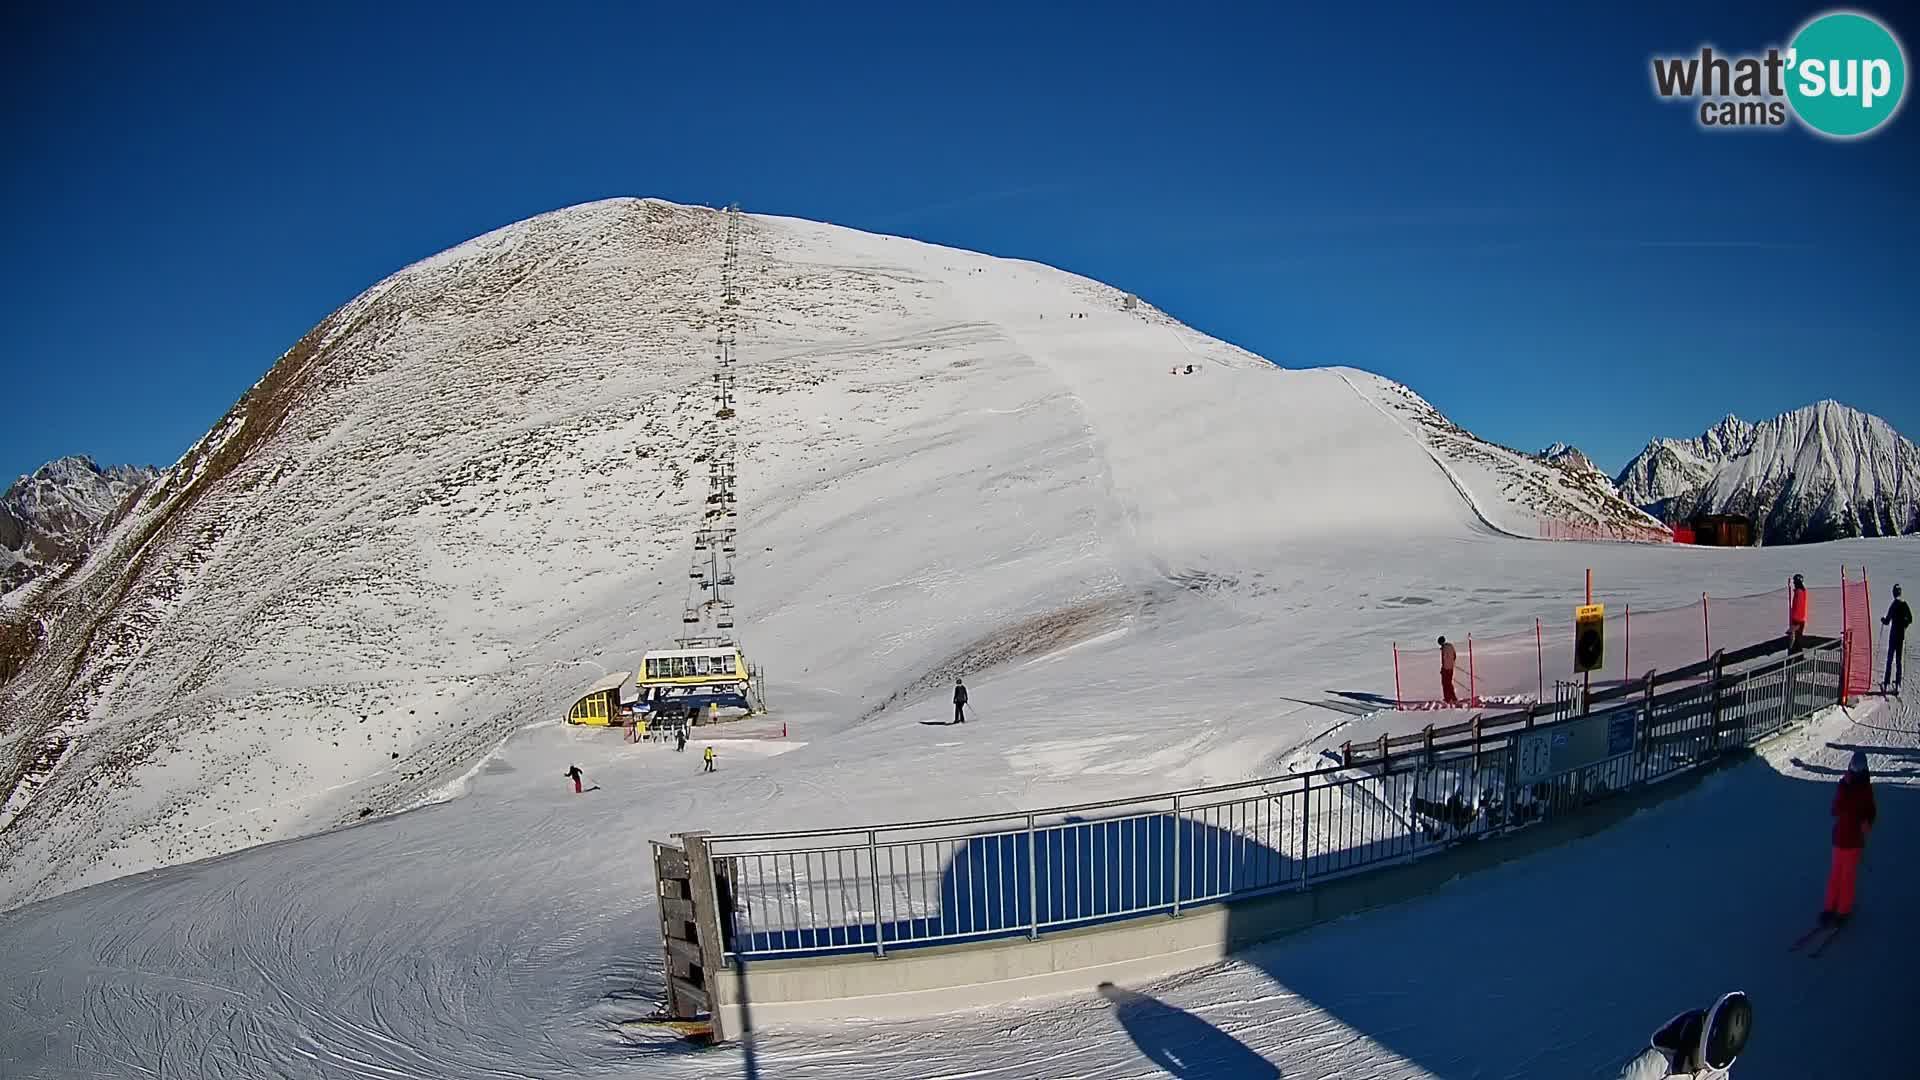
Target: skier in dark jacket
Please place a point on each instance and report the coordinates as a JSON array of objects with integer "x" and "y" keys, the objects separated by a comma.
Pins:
[
  {"x": 1853, "y": 816},
  {"x": 959, "y": 701},
  {"x": 1899, "y": 617},
  {"x": 574, "y": 774}
]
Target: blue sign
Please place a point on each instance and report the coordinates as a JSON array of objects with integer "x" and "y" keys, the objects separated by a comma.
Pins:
[{"x": 1620, "y": 731}]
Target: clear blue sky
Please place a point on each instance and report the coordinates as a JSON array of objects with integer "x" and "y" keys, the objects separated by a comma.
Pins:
[{"x": 1490, "y": 207}]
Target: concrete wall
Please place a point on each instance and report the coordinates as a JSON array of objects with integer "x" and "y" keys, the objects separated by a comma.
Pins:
[{"x": 941, "y": 978}]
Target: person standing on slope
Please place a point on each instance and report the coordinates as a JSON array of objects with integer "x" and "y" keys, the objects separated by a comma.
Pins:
[
  {"x": 680, "y": 739},
  {"x": 1701, "y": 1044},
  {"x": 709, "y": 757},
  {"x": 1899, "y": 617},
  {"x": 1853, "y": 816},
  {"x": 1797, "y": 614},
  {"x": 1447, "y": 658},
  {"x": 574, "y": 774},
  {"x": 959, "y": 701}
]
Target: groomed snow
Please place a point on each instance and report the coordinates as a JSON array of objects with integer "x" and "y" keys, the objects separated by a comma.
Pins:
[{"x": 506, "y": 934}]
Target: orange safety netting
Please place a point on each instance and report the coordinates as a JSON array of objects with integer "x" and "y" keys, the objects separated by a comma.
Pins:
[
  {"x": 1556, "y": 529},
  {"x": 1857, "y": 669},
  {"x": 1524, "y": 667}
]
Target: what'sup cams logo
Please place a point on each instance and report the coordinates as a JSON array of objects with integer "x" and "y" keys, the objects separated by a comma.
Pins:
[{"x": 1843, "y": 76}]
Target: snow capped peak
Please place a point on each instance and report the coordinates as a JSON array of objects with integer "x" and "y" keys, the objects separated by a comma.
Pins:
[
  {"x": 1569, "y": 457},
  {"x": 1821, "y": 471},
  {"x": 49, "y": 517},
  {"x": 1726, "y": 438}
]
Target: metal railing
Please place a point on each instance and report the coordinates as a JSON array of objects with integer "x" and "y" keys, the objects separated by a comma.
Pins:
[{"x": 920, "y": 883}]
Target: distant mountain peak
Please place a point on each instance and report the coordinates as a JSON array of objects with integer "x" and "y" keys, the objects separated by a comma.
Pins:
[
  {"x": 1822, "y": 471},
  {"x": 50, "y": 517},
  {"x": 1568, "y": 456}
]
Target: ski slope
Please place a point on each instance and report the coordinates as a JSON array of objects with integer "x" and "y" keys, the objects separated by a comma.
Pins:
[{"x": 506, "y": 933}]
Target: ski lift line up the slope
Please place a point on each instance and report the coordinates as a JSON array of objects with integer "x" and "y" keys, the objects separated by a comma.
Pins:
[
  {"x": 709, "y": 622},
  {"x": 704, "y": 669}
]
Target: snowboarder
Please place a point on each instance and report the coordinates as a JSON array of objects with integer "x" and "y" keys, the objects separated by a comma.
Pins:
[
  {"x": 1899, "y": 617},
  {"x": 1797, "y": 614},
  {"x": 574, "y": 774},
  {"x": 1448, "y": 657},
  {"x": 959, "y": 701},
  {"x": 709, "y": 757},
  {"x": 1702, "y": 1044},
  {"x": 1853, "y": 815}
]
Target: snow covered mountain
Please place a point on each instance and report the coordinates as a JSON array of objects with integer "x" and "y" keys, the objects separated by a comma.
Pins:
[
  {"x": 1821, "y": 472},
  {"x": 1668, "y": 468},
  {"x": 1551, "y": 495},
  {"x": 49, "y": 518},
  {"x": 1568, "y": 457},
  {"x": 467, "y": 489}
]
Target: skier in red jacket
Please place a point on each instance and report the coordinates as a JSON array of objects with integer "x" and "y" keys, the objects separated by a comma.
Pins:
[{"x": 1853, "y": 814}]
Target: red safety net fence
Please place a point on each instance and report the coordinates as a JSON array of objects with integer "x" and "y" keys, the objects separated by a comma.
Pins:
[
  {"x": 1555, "y": 529},
  {"x": 1528, "y": 666},
  {"x": 1857, "y": 598}
]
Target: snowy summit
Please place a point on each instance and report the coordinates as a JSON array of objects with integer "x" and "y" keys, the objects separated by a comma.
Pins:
[
  {"x": 1822, "y": 472},
  {"x": 49, "y": 518}
]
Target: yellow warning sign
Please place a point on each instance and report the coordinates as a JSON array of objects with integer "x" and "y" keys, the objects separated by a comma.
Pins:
[{"x": 1589, "y": 637}]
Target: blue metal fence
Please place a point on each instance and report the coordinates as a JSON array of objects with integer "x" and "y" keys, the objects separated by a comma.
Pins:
[{"x": 915, "y": 884}]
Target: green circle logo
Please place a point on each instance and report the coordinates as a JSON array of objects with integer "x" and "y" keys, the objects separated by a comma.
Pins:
[{"x": 1846, "y": 74}]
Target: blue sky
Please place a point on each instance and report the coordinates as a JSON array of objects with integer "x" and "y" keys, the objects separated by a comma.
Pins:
[{"x": 1492, "y": 208}]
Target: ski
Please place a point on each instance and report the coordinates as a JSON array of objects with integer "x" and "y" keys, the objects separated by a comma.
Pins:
[
  {"x": 1814, "y": 953},
  {"x": 1801, "y": 941}
]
